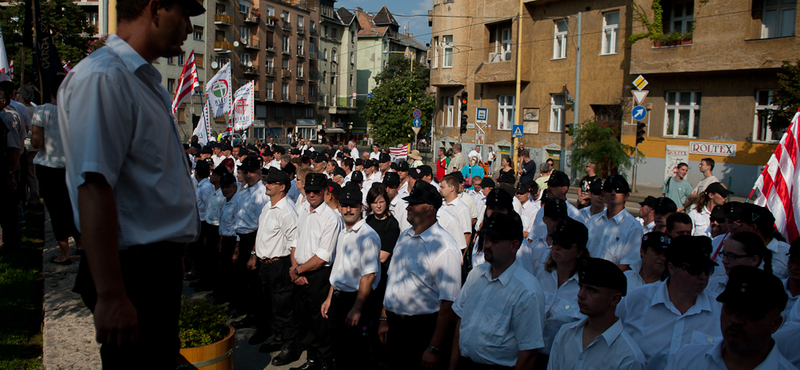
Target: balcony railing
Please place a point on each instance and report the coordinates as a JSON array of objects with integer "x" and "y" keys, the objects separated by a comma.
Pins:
[
  {"x": 312, "y": 56},
  {"x": 300, "y": 30},
  {"x": 300, "y": 76},
  {"x": 285, "y": 97},
  {"x": 300, "y": 53},
  {"x": 223, "y": 19},
  {"x": 269, "y": 96},
  {"x": 252, "y": 43},
  {"x": 250, "y": 70},
  {"x": 251, "y": 19},
  {"x": 221, "y": 62},
  {"x": 223, "y": 46},
  {"x": 270, "y": 22},
  {"x": 300, "y": 98},
  {"x": 286, "y": 26}
]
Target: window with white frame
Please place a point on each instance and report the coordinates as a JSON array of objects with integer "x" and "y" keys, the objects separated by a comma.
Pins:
[
  {"x": 287, "y": 18},
  {"x": 761, "y": 129},
  {"x": 244, "y": 7},
  {"x": 244, "y": 58},
  {"x": 681, "y": 17},
  {"x": 778, "y": 18},
  {"x": 610, "y": 28},
  {"x": 300, "y": 23},
  {"x": 286, "y": 44},
  {"x": 325, "y": 54},
  {"x": 448, "y": 109},
  {"x": 560, "y": 39},
  {"x": 270, "y": 64},
  {"x": 284, "y": 91},
  {"x": 299, "y": 69},
  {"x": 299, "y": 46},
  {"x": 505, "y": 112},
  {"x": 435, "y": 52},
  {"x": 448, "y": 50},
  {"x": 333, "y": 55},
  {"x": 270, "y": 11},
  {"x": 682, "y": 116},
  {"x": 557, "y": 108},
  {"x": 244, "y": 33}
]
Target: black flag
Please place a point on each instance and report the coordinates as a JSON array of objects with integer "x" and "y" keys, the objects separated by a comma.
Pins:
[{"x": 36, "y": 33}]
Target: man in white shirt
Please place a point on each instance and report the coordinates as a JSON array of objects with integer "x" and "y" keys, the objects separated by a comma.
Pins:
[
  {"x": 759, "y": 220},
  {"x": 615, "y": 235},
  {"x": 476, "y": 152},
  {"x": 652, "y": 266},
  {"x": 277, "y": 235},
  {"x": 402, "y": 171},
  {"x": 500, "y": 308},
  {"x": 277, "y": 152},
  {"x": 376, "y": 152},
  {"x": 424, "y": 278},
  {"x": 646, "y": 214},
  {"x": 110, "y": 95},
  {"x": 351, "y": 146},
  {"x": 318, "y": 229},
  {"x": 751, "y": 312},
  {"x": 397, "y": 206},
  {"x": 350, "y": 306},
  {"x": 529, "y": 207},
  {"x": 596, "y": 200},
  {"x": 449, "y": 190},
  {"x": 598, "y": 339},
  {"x": 663, "y": 317},
  {"x": 200, "y": 255},
  {"x": 557, "y": 188}
]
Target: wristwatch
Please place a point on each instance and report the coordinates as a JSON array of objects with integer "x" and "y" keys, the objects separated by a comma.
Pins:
[
  {"x": 434, "y": 350},
  {"x": 296, "y": 272},
  {"x": 253, "y": 252}
]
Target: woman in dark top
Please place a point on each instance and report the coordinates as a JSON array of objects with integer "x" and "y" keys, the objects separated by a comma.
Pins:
[
  {"x": 507, "y": 174},
  {"x": 382, "y": 221}
]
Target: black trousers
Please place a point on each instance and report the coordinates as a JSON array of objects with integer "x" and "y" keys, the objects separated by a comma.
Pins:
[
  {"x": 207, "y": 252},
  {"x": 278, "y": 291},
  {"x": 9, "y": 214},
  {"x": 153, "y": 276},
  {"x": 312, "y": 327},
  {"x": 409, "y": 338},
  {"x": 351, "y": 345},
  {"x": 56, "y": 198},
  {"x": 247, "y": 283},
  {"x": 465, "y": 363},
  {"x": 226, "y": 268}
]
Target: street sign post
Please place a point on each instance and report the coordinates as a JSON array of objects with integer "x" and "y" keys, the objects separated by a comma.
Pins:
[
  {"x": 639, "y": 113},
  {"x": 417, "y": 122},
  {"x": 516, "y": 130},
  {"x": 481, "y": 115},
  {"x": 370, "y": 95}
]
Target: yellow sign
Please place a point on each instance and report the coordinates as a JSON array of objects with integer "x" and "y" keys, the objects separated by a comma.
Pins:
[{"x": 640, "y": 82}]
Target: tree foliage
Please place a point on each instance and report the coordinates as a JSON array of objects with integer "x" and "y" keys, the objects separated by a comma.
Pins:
[
  {"x": 68, "y": 25},
  {"x": 787, "y": 97},
  {"x": 592, "y": 142},
  {"x": 398, "y": 93}
]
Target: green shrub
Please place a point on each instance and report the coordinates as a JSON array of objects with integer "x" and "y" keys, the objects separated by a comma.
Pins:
[{"x": 201, "y": 323}]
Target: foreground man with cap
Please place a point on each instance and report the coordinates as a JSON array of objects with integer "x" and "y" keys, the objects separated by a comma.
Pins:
[
  {"x": 397, "y": 206},
  {"x": 651, "y": 267},
  {"x": 424, "y": 278},
  {"x": 500, "y": 307},
  {"x": 356, "y": 272},
  {"x": 615, "y": 235},
  {"x": 557, "y": 188},
  {"x": 127, "y": 178},
  {"x": 663, "y": 317},
  {"x": 599, "y": 339},
  {"x": 751, "y": 312}
]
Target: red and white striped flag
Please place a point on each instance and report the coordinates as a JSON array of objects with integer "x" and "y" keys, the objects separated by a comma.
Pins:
[
  {"x": 187, "y": 82},
  {"x": 11, "y": 69},
  {"x": 400, "y": 151},
  {"x": 779, "y": 183},
  {"x": 67, "y": 67}
]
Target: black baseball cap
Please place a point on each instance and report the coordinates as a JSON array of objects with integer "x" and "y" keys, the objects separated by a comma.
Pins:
[
  {"x": 602, "y": 273},
  {"x": 718, "y": 213},
  {"x": 359, "y": 162},
  {"x": 357, "y": 177},
  {"x": 391, "y": 179},
  {"x": 206, "y": 150},
  {"x": 251, "y": 163},
  {"x": 394, "y": 166},
  {"x": 596, "y": 186},
  {"x": 665, "y": 205},
  {"x": 569, "y": 231},
  {"x": 315, "y": 182},
  {"x": 383, "y": 158},
  {"x": 420, "y": 171},
  {"x": 350, "y": 195},
  {"x": 402, "y": 167},
  {"x": 555, "y": 208},
  {"x": 733, "y": 210},
  {"x": 658, "y": 240},
  {"x": 294, "y": 152},
  {"x": 617, "y": 184},
  {"x": 650, "y": 201},
  {"x": 458, "y": 176},
  {"x": 523, "y": 187},
  {"x": 278, "y": 149},
  {"x": 753, "y": 291},
  {"x": 558, "y": 178},
  {"x": 320, "y": 159},
  {"x": 333, "y": 187},
  {"x": 219, "y": 170},
  {"x": 503, "y": 226},
  {"x": 718, "y": 188},
  {"x": 500, "y": 197},
  {"x": 227, "y": 178},
  {"x": 339, "y": 172},
  {"x": 226, "y": 146},
  {"x": 275, "y": 175},
  {"x": 693, "y": 251},
  {"x": 487, "y": 182},
  {"x": 424, "y": 193},
  {"x": 193, "y": 7},
  {"x": 289, "y": 168},
  {"x": 756, "y": 215}
]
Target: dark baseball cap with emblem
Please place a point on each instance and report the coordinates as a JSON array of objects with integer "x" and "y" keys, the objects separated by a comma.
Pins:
[
  {"x": 315, "y": 182},
  {"x": 656, "y": 240},
  {"x": 357, "y": 177},
  {"x": 718, "y": 188},
  {"x": 251, "y": 163},
  {"x": 501, "y": 226},
  {"x": 501, "y": 198},
  {"x": 333, "y": 187},
  {"x": 227, "y": 178},
  {"x": 756, "y": 215},
  {"x": 420, "y": 171},
  {"x": 277, "y": 176},
  {"x": 391, "y": 179},
  {"x": 359, "y": 162},
  {"x": 350, "y": 195},
  {"x": 733, "y": 210},
  {"x": 692, "y": 251},
  {"x": 339, "y": 172},
  {"x": 487, "y": 182},
  {"x": 424, "y": 193},
  {"x": 219, "y": 170},
  {"x": 569, "y": 232},
  {"x": 402, "y": 167},
  {"x": 555, "y": 208},
  {"x": 558, "y": 178},
  {"x": 602, "y": 273},
  {"x": 616, "y": 184},
  {"x": 650, "y": 201},
  {"x": 596, "y": 186},
  {"x": 523, "y": 187},
  {"x": 665, "y": 205},
  {"x": 394, "y": 166},
  {"x": 383, "y": 158},
  {"x": 753, "y": 292}
]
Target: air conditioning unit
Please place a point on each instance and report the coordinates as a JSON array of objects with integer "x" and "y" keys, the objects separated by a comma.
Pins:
[
  {"x": 495, "y": 57},
  {"x": 507, "y": 56}
]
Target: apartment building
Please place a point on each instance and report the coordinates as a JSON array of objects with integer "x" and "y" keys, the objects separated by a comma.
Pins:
[
  {"x": 336, "y": 73},
  {"x": 379, "y": 37},
  {"x": 725, "y": 60}
]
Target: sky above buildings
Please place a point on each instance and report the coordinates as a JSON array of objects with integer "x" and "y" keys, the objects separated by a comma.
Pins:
[{"x": 411, "y": 14}]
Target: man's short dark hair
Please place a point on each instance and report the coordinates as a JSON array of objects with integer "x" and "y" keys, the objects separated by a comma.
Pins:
[
  {"x": 8, "y": 87},
  {"x": 526, "y": 154},
  {"x": 348, "y": 163},
  {"x": 678, "y": 217},
  {"x": 682, "y": 165},
  {"x": 709, "y": 162},
  {"x": 129, "y": 10}
]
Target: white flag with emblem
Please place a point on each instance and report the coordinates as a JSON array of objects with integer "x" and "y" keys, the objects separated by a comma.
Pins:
[
  {"x": 201, "y": 131},
  {"x": 218, "y": 91},
  {"x": 243, "y": 107},
  {"x": 4, "y": 67}
]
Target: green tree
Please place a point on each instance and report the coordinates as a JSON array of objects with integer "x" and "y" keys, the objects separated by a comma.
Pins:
[
  {"x": 592, "y": 142},
  {"x": 68, "y": 25},
  {"x": 398, "y": 93},
  {"x": 787, "y": 97}
]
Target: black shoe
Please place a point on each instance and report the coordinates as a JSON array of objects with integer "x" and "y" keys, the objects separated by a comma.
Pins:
[
  {"x": 258, "y": 337},
  {"x": 288, "y": 355},
  {"x": 270, "y": 347},
  {"x": 247, "y": 322},
  {"x": 309, "y": 365}
]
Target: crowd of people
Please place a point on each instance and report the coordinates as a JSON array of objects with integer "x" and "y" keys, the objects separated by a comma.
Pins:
[{"x": 366, "y": 261}]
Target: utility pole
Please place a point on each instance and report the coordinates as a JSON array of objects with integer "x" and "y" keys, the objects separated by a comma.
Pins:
[
  {"x": 576, "y": 104},
  {"x": 518, "y": 104}
]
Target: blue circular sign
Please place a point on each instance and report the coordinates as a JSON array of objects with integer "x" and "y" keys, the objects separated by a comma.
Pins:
[
  {"x": 417, "y": 122},
  {"x": 638, "y": 113}
]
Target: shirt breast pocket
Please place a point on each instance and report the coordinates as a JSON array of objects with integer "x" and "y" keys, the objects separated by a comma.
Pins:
[
  {"x": 420, "y": 272},
  {"x": 493, "y": 327}
]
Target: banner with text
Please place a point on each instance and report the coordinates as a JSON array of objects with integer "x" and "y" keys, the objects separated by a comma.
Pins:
[
  {"x": 218, "y": 92},
  {"x": 243, "y": 107},
  {"x": 675, "y": 154}
]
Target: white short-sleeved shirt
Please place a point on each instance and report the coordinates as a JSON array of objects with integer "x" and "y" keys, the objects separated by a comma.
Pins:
[
  {"x": 586, "y": 214},
  {"x": 293, "y": 192},
  {"x": 701, "y": 222},
  {"x": 461, "y": 211},
  {"x": 614, "y": 349},
  {"x": 357, "y": 254},
  {"x": 51, "y": 154},
  {"x": 528, "y": 214},
  {"x": 214, "y": 207},
  {"x": 532, "y": 255},
  {"x": 451, "y": 224},
  {"x": 499, "y": 317},
  {"x": 792, "y": 299},
  {"x": 277, "y": 228},
  {"x": 633, "y": 276},
  {"x": 709, "y": 356},
  {"x": 780, "y": 261},
  {"x": 354, "y": 153},
  {"x": 203, "y": 193},
  {"x": 318, "y": 231},
  {"x": 23, "y": 113},
  {"x": 561, "y": 305},
  {"x": 116, "y": 120},
  {"x": 659, "y": 329},
  {"x": 16, "y": 129},
  {"x": 373, "y": 155},
  {"x": 786, "y": 339},
  {"x": 254, "y": 199},
  {"x": 617, "y": 239},
  {"x": 470, "y": 203},
  {"x": 425, "y": 270},
  {"x": 539, "y": 229},
  {"x": 227, "y": 218},
  {"x": 716, "y": 285},
  {"x": 399, "y": 209}
]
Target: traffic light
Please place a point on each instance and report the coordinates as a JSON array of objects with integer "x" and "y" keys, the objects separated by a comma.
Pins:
[
  {"x": 464, "y": 101},
  {"x": 641, "y": 129},
  {"x": 463, "y": 123}
]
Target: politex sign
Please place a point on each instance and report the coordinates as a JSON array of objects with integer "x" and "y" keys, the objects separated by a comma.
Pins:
[{"x": 720, "y": 149}]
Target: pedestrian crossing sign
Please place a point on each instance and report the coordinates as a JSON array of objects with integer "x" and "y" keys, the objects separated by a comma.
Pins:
[{"x": 516, "y": 130}]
